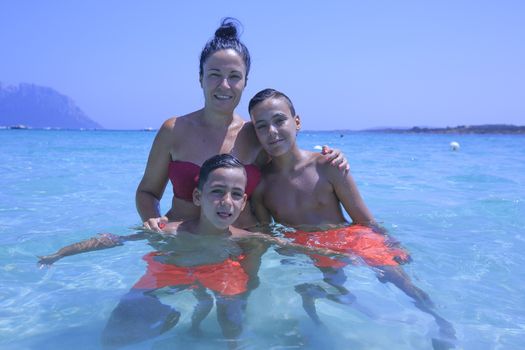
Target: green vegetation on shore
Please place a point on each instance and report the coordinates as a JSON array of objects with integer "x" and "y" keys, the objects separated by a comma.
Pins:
[{"x": 460, "y": 129}]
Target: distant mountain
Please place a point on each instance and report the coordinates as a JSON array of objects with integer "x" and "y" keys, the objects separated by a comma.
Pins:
[{"x": 40, "y": 107}]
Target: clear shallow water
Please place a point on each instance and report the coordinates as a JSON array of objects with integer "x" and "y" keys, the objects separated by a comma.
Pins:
[{"x": 461, "y": 215}]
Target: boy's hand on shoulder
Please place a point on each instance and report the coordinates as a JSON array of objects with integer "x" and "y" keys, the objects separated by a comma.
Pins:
[{"x": 336, "y": 158}]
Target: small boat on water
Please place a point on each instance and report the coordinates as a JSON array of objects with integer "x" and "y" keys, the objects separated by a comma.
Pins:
[{"x": 18, "y": 127}]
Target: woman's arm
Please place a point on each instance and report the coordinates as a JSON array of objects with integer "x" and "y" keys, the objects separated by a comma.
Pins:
[
  {"x": 153, "y": 183},
  {"x": 102, "y": 241}
]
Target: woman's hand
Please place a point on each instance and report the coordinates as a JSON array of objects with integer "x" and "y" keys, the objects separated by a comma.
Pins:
[
  {"x": 156, "y": 224},
  {"x": 336, "y": 158}
]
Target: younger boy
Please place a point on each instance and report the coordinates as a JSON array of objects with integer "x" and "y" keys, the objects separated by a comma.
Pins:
[
  {"x": 300, "y": 190},
  {"x": 204, "y": 253}
]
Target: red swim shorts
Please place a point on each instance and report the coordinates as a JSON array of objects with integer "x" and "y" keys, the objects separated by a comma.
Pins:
[
  {"x": 225, "y": 278},
  {"x": 374, "y": 248}
]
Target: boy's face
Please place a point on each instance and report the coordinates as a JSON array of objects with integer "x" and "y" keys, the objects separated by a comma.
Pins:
[
  {"x": 222, "y": 197},
  {"x": 275, "y": 126}
]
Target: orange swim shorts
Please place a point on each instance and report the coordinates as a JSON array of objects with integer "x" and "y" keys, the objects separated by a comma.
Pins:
[
  {"x": 374, "y": 248},
  {"x": 226, "y": 278}
]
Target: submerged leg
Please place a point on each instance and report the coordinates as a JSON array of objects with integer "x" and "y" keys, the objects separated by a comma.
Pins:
[
  {"x": 309, "y": 292},
  {"x": 230, "y": 314},
  {"x": 336, "y": 277},
  {"x": 201, "y": 310},
  {"x": 139, "y": 316},
  {"x": 397, "y": 276}
]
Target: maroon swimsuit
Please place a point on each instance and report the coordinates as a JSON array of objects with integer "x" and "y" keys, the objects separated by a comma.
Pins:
[{"x": 185, "y": 175}]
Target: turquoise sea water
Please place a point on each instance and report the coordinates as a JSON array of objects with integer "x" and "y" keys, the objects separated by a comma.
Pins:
[{"x": 460, "y": 214}]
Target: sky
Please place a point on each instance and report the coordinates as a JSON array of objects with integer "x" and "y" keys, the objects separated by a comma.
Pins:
[{"x": 345, "y": 64}]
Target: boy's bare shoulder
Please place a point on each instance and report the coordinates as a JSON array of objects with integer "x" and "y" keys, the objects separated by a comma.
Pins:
[
  {"x": 315, "y": 156},
  {"x": 325, "y": 168},
  {"x": 248, "y": 239},
  {"x": 248, "y": 129},
  {"x": 309, "y": 158},
  {"x": 176, "y": 227},
  {"x": 320, "y": 161},
  {"x": 239, "y": 232}
]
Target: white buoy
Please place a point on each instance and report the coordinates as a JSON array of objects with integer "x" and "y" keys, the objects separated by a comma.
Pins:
[
  {"x": 318, "y": 147},
  {"x": 454, "y": 146}
]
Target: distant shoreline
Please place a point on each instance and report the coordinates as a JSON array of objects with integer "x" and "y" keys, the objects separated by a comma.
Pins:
[
  {"x": 507, "y": 129},
  {"x": 460, "y": 129}
]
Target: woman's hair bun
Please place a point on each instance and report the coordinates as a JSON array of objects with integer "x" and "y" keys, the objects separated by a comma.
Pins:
[
  {"x": 228, "y": 28},
  {"x": 226, "y": 38}
]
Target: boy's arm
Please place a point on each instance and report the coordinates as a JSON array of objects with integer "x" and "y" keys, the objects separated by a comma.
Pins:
[
  {"x": 251, "y": 263},
  {"x": 257, "y": 202},
  {"x": 346, "y": 191},
  {"x": 102, "y": 241},
  {"x": 298, "y": 247}
]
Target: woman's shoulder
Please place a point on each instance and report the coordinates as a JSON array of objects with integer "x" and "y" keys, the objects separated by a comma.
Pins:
[
  {"x": 177, "y": 122},
  {"x": 177, "y": 126}
]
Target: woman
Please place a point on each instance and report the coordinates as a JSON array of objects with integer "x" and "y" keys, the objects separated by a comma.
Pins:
[{"x": 183, "y": 143}]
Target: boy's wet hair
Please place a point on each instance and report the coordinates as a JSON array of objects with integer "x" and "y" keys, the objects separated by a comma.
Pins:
[
  {"x": 226, "y": 38},
  {"x": 266, "y": 94},
  {"x": 219, "y": 161}
]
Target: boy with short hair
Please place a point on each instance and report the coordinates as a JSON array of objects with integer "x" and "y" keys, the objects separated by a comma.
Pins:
[
  {"x": 299, "y": 189},
  {"x": 204, "y": 253}
]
